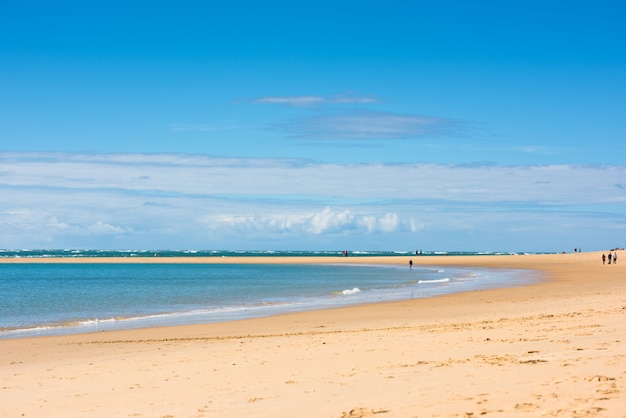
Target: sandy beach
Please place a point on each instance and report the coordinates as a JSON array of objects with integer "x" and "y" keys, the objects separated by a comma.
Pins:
[{"x": 556, "y": 348}]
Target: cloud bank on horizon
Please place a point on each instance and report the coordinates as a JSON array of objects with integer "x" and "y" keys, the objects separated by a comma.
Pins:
[
  {"x": 194, "y": 201},
  {"x": 435, "y": 125}
]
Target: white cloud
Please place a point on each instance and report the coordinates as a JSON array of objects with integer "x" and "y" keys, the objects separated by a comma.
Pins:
[
  {"x": 535, "y": 149},
  {"x": 49, "y": 198},
  {"x": 325, "y": 221},
  {"x": 352, "y": 99},
  {"x": 305, "y": 101},
  {"x": 167, "y": 176},
  {"x": 370, "y": 125},
  {"x": 100, "y": 227},
  {"x": 328, "y": 221},
  {"x": 291, "y": 100},
  {"x": 388, "y": 223},
  {"x": 357, "y": 124},
  {"x": 199, "y": 127}
]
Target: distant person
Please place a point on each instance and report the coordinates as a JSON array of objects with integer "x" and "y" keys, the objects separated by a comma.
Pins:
[
  {"x": 610, "y": 256},
  {"x": 615, "y": 258},
  {"x": 411, "y": 264},
  {"x": 603, "y": 259}
]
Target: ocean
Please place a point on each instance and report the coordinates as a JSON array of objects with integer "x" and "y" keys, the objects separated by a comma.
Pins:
[{"x": 48, "y": 299}]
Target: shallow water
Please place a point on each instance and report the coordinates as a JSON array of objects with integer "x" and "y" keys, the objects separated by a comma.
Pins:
[{"x": 46, "y": 299}]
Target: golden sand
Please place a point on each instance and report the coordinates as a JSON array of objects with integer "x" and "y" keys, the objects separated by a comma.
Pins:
[{"x": 556, "y": 348}]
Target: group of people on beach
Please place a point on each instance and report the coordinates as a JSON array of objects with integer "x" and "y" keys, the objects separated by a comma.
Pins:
[{"x": 610, "y": 256}]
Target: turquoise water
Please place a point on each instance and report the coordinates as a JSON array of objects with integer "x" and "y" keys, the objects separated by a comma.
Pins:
[{"x": 46, "y": 299}]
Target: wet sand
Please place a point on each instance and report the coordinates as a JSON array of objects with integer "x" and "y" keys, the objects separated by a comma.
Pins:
[{"x": 556, "y": 348}]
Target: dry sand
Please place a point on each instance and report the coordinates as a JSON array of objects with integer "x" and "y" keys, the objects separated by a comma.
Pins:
[{"x": 557, "y": 348}]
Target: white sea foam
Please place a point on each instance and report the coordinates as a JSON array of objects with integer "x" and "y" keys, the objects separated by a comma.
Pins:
[
  {"x": 434, "y": 281},
  {"x": 351, "y": 291},
  {"x": 95, "y": 321}
]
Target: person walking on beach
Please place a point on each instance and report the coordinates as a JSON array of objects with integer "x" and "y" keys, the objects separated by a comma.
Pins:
[
  {"x": 615, "y": 258},
  {"x": 603, "y": 259},
  {"x": 411, "y": 264},
  {"x": 610, "y": 257}
]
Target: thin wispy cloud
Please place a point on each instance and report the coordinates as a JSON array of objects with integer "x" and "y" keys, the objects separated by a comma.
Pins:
[
  {"x": 305, "y": 101},
  {"x": 360, "y": 124},
  {"x": 535, "y": 149},
  {"x": 331, "y": 123},
  {"x": 183, "y": 127},
  {"x": 298, "y": 101},
  {"x": 198, "y": 175}
]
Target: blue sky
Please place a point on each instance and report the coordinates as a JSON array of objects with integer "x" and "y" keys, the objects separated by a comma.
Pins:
[{"x": 448, "y": 125}]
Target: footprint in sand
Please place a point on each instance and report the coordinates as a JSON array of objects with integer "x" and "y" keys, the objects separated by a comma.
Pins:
[
  {"x": 526, "y": 407},
  {"x": 362, "y": 412},
  {"x": 598, "y": 378}
]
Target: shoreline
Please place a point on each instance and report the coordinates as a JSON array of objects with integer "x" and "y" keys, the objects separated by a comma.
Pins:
[
  {"x": 552, "y": 348},
  {"x": 463, "y": 280}
]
